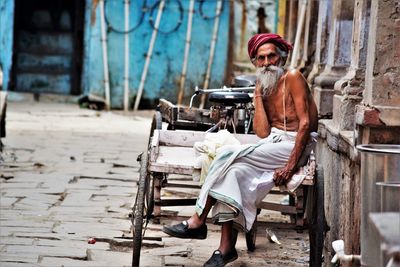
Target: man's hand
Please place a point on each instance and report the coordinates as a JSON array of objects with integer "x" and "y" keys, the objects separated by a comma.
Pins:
[
  {"x": 258, "y": 89},
  {"x": 282, "y": 176}
]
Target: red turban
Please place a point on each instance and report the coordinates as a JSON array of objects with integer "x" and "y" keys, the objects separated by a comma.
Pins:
[{"x": 259, "y": 39}]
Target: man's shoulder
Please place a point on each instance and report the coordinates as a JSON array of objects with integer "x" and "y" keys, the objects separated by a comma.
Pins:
[{"x": 294, "y": 74}]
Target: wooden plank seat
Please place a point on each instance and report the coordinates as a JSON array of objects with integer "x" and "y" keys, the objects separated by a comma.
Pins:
[{"x": 171, "y": 152}]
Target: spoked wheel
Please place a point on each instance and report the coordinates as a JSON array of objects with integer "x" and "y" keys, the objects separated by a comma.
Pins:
[
  {"x": 251, "y": 236},
  {"x": 140, "y": 216},
  {"x": 316, "y": 217}
]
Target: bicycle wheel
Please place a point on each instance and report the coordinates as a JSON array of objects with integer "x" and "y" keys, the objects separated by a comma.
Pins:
[{"x": 139, "y": 219}]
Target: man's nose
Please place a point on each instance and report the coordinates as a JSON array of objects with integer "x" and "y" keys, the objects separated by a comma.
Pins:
[{"x": 266, "y": 64}]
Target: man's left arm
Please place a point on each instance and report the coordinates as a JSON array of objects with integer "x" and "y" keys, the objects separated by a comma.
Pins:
[{"x": 298, "y": 88}]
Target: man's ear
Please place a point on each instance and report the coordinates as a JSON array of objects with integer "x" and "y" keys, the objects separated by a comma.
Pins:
[{"x": 284, "y": 59}]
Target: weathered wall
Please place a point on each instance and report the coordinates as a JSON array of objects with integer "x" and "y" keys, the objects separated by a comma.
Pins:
[
  {"x": 365, "y": 106},
  {"x": 167, "y": 59},
  {"x": 337, "y": 157},
  {"x": 6, "y": 39}
]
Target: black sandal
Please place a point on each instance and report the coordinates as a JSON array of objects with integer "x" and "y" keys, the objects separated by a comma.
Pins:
[
  {"x": 182, "y": 230},
  {"x": 219, "y": 260}
]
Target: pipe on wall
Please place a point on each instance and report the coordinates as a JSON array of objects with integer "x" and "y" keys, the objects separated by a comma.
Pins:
[{"x": 296, "y": 48}]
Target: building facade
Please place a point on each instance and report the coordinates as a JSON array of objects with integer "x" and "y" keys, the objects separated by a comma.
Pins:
[{"x": 350, "y": 57}]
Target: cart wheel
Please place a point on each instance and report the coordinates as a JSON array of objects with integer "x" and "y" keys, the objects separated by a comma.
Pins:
[
  {"x": 251, "y": 237},
  {"x": 139, "y": 219},
  {"x": 316, "y": 217},
  {"x": 156, "y": 123},
  {"x": 149, "y": 197}
]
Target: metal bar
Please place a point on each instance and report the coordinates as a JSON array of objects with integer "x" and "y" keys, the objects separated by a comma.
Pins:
[
  {"x": 176, "y": 202},
  {"x": 182, "y": 185},
  {"x": 277, "y": 207}
]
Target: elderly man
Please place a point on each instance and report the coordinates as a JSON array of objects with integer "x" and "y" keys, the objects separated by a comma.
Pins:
[{"x": 286, "y": 120}]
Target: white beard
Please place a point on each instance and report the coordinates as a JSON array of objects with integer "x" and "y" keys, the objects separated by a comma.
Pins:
[{"x": 268, "y": 77}]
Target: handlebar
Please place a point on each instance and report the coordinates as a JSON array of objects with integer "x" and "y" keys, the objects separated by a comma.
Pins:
[{"x": 198, "y": 91}]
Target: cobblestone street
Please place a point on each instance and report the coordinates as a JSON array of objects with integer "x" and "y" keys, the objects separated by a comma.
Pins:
[{"x": 69, "y": 174}]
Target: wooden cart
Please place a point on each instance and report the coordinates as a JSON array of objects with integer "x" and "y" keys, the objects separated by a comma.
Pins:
[{"x": 171, "y": 152}]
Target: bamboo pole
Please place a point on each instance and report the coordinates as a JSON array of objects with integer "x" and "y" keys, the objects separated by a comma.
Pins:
[
  {"x": 186, "y": 55},
  {"x": 212, "y": 51},
  {"x": 105, "y": 55},
  {"x": 126, "y": 76},
  {"x": 149, "y": 54}
]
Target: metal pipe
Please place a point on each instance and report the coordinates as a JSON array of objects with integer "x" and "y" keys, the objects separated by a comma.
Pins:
[
  {"x": 186, "y": 56},
  {"x": 126, "y": 76},
  {"x": 212, "y": 50},
  {"x": 105, "y": 55},
  {"x": 306, "y": 36},
  {"x": 298, "y": 34},
  {"x": 338, "y": 247},
  {"x": 225, "y": 89},
  {"x": 149, "y": 54}
]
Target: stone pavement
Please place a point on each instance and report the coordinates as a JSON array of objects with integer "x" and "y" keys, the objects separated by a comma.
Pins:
[{"x": 69, "y": 174}]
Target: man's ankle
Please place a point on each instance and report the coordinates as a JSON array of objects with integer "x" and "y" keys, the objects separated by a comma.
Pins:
[{"x": 193, "y": 223}]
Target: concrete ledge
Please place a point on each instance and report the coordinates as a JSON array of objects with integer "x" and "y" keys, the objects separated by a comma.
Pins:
[{"x": 341, "y": 142}]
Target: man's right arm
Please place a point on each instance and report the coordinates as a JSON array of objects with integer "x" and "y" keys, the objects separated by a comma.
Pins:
[{"x": 260, "y": 123}]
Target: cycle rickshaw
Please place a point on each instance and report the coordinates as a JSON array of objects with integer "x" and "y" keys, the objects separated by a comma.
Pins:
[{"x": 170, "y": 151}]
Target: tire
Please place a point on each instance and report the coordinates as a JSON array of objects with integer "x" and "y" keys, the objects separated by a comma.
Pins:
[
  {"x": 251, "y": 237},
  {"x": 139, "y": 219},
  {"x": 149, "y": 197},
  {"x": 317, "y": 221},
  {"x": 156, "y": 124}
]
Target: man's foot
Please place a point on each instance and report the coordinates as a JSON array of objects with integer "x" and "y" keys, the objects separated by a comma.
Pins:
[
  {"x": 219, "y": 260},
  {"x": 182, "y": 231}
]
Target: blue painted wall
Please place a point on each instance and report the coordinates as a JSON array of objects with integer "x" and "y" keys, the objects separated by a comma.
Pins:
[
  {"x": 166, "y": 63},
  {"x": 6, "y": 38}
]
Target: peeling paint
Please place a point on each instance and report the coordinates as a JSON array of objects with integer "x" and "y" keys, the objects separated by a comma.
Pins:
[{"x": 95, "y": 3}]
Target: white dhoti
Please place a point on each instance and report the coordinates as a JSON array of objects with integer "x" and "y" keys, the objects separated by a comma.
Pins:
[{"x": 233, "y": 175}]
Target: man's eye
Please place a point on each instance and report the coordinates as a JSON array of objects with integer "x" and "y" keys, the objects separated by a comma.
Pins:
[{"x": 261, "y": 58}]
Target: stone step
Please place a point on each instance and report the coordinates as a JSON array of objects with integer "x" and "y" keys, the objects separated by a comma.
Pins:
[
  {"x": 44, "y": 83},
  {"x": 45, "y": 42},
  {"x": 38, "y": 63}
]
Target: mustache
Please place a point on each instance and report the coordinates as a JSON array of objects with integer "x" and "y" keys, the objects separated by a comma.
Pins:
[{"x": 270, "y": 68}]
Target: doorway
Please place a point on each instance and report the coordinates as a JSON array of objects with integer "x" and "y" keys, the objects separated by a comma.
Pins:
[{"x": 48, "y": 45}]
